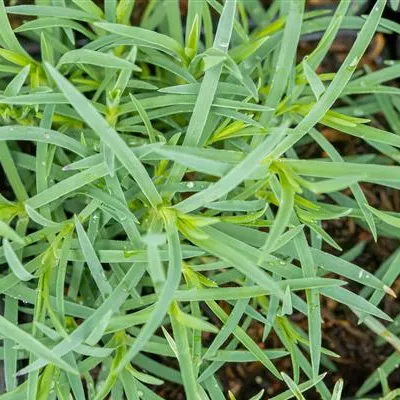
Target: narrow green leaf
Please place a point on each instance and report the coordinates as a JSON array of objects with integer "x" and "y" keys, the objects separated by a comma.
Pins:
[
  {"x": 7, "y": 37},
  {"x": 313, "y": 80},
  {"x": 92, "y": 260},
  {"x": 14, "y": 263},
  {"x": 108, "y": 135},
  {"x": 84, "y": 56},
  {"x": 31, "y": 344},
  {"x": 8, "y": 233},
  {"x": 166, "y": 296}
]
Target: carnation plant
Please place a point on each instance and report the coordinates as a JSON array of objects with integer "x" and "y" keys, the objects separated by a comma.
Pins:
[{"x": 156, "y": 201}]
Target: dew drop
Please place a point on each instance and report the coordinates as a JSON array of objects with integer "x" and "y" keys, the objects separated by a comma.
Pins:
[
  {"x": 352, "y": 66},
  {"x": 190, "y": 185},
  {"x": 46, "y": 136},
  {"x": 358, "y": 112},
  {"x": 360, "y": 274}
]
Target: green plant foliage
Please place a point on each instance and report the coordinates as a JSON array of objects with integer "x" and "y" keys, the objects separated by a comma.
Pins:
[{"x": 154, "y": 171}]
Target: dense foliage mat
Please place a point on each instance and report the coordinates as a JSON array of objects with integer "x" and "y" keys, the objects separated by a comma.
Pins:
[{"x": 156, "y": 203}]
